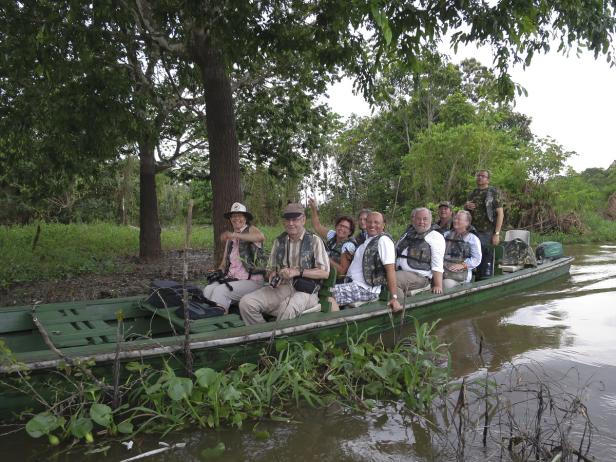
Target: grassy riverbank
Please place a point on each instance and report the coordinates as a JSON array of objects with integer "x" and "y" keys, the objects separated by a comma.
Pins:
[{"x": 67, "y": 251}]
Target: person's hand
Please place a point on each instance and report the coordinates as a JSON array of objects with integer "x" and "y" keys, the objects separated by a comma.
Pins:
[
  {"x": 395, "y": 305},
  {"x": 495, "y": 239},
  {"x": 470, "y": 205},
  {"x": 437, "y": 290},
  {"x": 312, "y": 203},
  {"x": 288, "y": 273},
  {"x": 226, "y": 236},
  {"x": 455, "y": 267}
]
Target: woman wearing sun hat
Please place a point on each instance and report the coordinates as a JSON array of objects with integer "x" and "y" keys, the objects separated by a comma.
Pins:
[{"x": 243, "y": 264}]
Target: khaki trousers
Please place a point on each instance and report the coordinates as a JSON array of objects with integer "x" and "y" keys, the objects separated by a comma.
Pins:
[
  {"x": 284, "y": 302},
  {"x": 409, "y": 280},
  {"x": 222, "y": 296}
]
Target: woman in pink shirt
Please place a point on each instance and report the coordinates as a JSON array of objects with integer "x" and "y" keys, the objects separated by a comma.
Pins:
[{"x": 243, "y": 263}]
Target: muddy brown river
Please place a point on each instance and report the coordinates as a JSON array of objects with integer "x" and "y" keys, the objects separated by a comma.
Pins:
[{"x": 562, "y": 335}]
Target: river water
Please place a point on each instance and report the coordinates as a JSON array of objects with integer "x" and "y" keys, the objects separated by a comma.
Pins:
[{"x": 562, "y": 335}]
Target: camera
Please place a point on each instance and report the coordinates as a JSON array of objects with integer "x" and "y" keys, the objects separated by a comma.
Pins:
[
  {"x": 275, "y": 281},
  {"x": 214, "y": 276}
]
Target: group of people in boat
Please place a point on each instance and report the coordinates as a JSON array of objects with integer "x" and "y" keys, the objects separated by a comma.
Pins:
[{"x": 431, "y": 256}]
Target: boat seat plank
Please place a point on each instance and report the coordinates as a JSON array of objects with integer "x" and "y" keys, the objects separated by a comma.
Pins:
[
  {"x": 80, "y": 333},
  {"x": 117, "y": 303},
  {"x": 88, "y": 313}
]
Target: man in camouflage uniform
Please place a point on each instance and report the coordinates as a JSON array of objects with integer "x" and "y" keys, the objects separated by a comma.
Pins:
[
  {"x": 486, "y": 207},
  {"x": 300, "y": 262}
]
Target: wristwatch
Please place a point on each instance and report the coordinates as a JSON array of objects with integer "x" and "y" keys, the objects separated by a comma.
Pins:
[{"x": 395, "y": 296}]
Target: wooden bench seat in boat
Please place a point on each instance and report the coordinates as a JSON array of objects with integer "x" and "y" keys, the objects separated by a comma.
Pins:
[{"x": 94, "y": 322}]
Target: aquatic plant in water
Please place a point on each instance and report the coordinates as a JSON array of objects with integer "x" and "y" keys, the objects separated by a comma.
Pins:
[{"x": 160, "y": 400}]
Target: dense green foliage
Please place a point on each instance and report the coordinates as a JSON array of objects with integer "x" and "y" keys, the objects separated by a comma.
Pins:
[{"x": 414, "y": 372}]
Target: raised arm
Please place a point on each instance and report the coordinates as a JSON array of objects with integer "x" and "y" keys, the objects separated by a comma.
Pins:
[
  {"x": 254, "y": 234},
  {"x": 314, "y": 216}
]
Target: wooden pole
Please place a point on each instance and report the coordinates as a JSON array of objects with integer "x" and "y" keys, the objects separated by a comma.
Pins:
[{"x": 187, "y": 351}]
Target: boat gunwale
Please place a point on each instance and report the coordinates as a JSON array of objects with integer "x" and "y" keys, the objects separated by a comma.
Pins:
[{"x": 142, "y": 352}]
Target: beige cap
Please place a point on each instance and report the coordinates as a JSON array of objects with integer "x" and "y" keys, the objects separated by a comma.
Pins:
[{"x": 293, "y": 210}]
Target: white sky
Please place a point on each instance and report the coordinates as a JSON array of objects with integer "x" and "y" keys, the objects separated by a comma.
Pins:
[{"x": 570, "y": 99}]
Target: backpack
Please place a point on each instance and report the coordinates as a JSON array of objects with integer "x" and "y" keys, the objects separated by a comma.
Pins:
[
  {"x": 167, "y": 294},
  {"x": 518, "y": 253}
]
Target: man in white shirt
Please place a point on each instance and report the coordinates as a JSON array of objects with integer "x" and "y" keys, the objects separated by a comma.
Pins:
[
  {"x": 420, "y": 252},
  {"x": 373, "y": 265}
]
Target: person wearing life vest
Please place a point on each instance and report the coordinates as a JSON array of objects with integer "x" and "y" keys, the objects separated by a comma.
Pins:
[
  {"x": 372, "y": 267},
  {"x": 462, "y": 251},
  {"x": 486, "y": 208},
  {"x": 297, "y": 264},
  {"x": 420, "y": 253},
  {"x": 338, "y": 242},
  {"x": 243, "y": 264},
  {"x": 362, "y": 218},
  {"x": 445, "y": 217}
]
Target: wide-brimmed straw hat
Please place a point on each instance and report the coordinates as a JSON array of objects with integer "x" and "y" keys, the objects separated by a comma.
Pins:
[{"x": 239, "y": 208}]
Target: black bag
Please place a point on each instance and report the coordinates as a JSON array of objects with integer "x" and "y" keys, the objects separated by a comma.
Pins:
[
  {"x": 307, "y": 285},
  {"x": 200, "y": 311},
  {"x": 166, "y": 294}
]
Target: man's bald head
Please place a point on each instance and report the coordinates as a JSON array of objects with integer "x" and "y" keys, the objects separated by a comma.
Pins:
[{"x": 375, "y": 224}]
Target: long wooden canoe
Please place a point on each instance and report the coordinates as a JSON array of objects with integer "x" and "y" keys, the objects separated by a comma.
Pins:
[{"x": 87, "y": 330}]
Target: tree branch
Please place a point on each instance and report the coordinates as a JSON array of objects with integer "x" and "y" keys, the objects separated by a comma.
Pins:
[{"x": 143, "y": 16}]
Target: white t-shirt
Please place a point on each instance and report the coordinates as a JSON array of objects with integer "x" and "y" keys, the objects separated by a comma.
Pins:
[
  {"x": 475, "y": 259},
  {"x": 348, "y": 246},
  {"x": 387, "y": 254},
  {"x": 436, "y": 241}
]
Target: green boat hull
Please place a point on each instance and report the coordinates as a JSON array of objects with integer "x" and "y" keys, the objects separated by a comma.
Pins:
[{"x": 86, "y": 330}]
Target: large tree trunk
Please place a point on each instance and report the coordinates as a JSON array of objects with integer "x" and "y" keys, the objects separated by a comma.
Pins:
[
  {"x": 221, "y": 133},
  {"x": 149, "y": 225}
]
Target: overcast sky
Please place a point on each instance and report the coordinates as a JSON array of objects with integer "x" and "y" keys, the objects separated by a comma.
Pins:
[{"x": 570, "y": 99}]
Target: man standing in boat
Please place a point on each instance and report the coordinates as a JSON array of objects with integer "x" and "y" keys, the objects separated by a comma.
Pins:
[
  {"x": 297, "y": 265},
  {"x": 486, "y": 208},
  {"x": 373, "y": 266},
  {"x": 420, "y": 252}
]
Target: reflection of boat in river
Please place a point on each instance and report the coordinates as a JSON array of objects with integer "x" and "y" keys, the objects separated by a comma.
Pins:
[{"x": 88, "y": 329}]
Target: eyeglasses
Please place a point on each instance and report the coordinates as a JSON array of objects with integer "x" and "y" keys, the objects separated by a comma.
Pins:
[
  {"x": 292, "y": 220},
  {"x": 341, "y": 225},
  {"x": 482, "y": 175}
]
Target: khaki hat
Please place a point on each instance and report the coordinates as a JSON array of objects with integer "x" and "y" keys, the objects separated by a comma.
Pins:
[
  {"x": 239, "y": 208},
  {"x": 445, "y": 204},
  {"x": 293, "y": 210}
]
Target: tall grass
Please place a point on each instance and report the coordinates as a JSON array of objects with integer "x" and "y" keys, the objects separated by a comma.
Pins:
[{"x": 64, "y": 251}]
